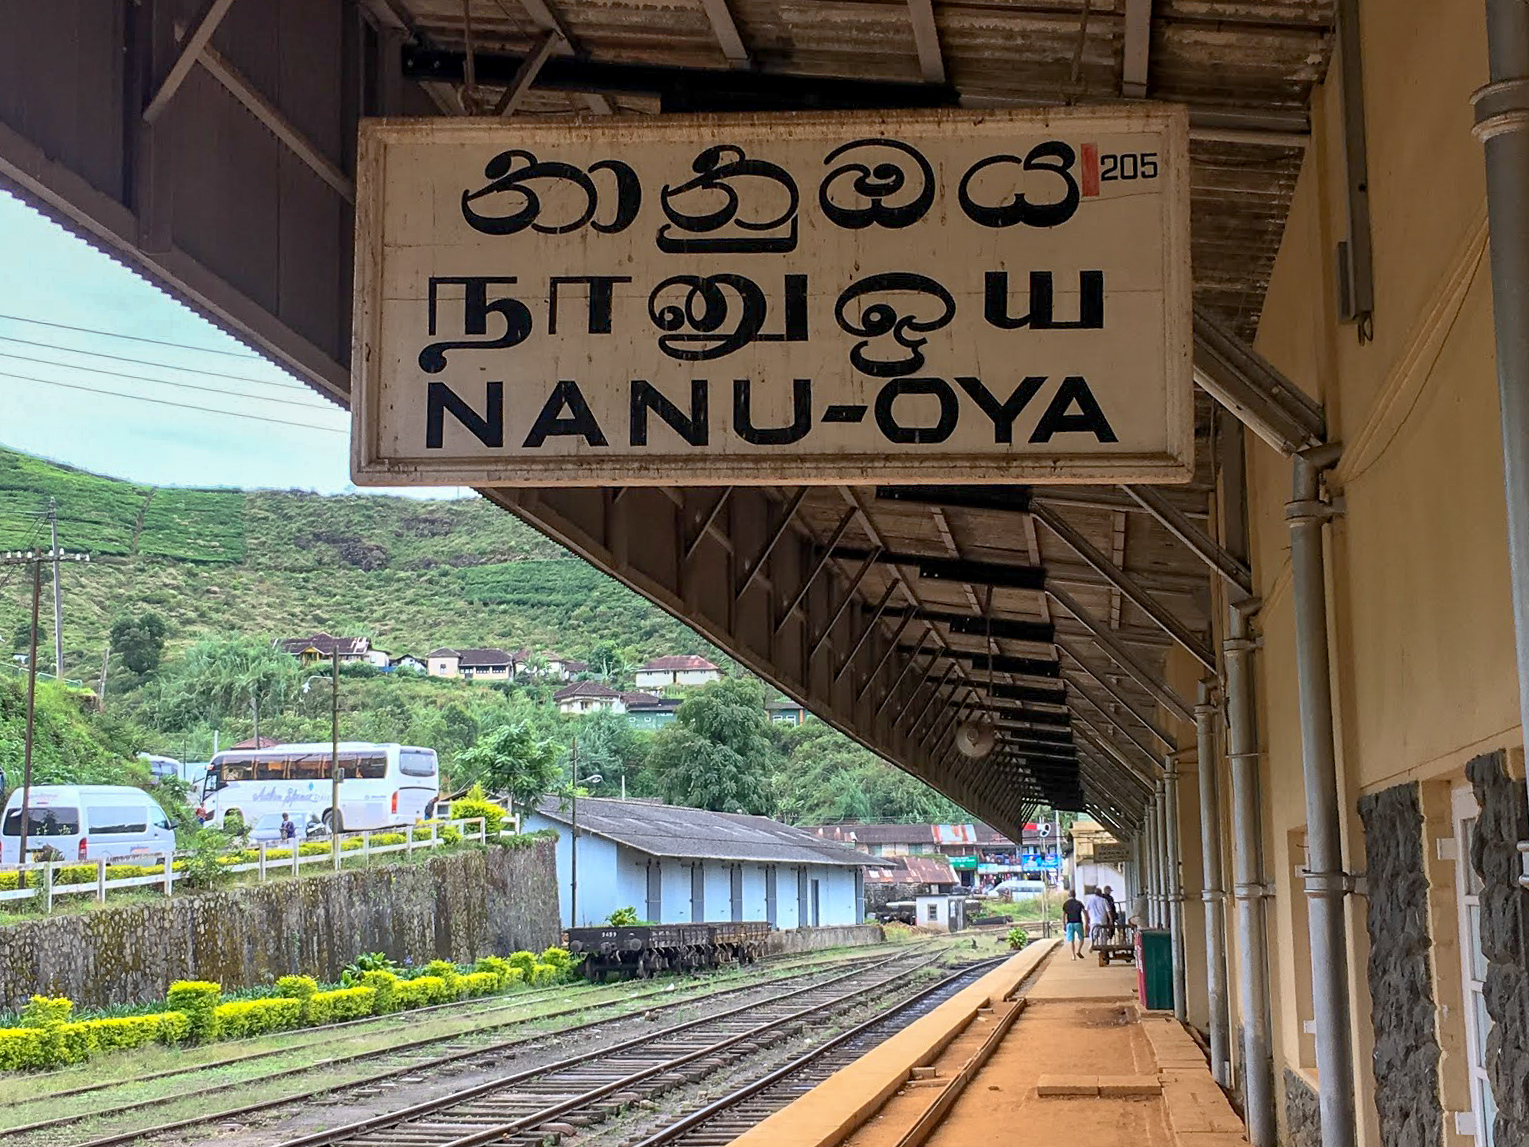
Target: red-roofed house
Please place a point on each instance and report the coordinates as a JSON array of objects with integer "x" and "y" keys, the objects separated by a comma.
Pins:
[{"x": 683, "y": 670}]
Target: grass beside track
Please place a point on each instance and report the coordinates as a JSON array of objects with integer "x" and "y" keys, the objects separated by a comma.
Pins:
[{"x": 272, "y": 1067}]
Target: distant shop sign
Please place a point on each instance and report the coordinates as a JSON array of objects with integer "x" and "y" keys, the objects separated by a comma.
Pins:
[
  {"x": 964, "y": 863},
  {"x": 811, "y": 298},
  {"x": 1110, "y": 853}
]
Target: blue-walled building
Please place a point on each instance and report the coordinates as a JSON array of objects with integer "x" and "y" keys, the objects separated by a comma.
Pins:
[{"x": 685, "y": 865}]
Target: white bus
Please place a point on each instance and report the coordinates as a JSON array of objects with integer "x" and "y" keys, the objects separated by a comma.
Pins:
[{"x": 380, "y": 785}]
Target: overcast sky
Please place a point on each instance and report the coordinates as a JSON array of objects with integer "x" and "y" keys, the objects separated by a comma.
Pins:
[{"x": 177, "y": 403}]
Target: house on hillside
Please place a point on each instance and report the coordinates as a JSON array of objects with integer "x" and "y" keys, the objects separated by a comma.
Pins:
[
  {"x": 684, "y": 865},
  {"x": 682, "y": 670},
  {"x": 471, "y": 664},
  {"x": 549, "y": 666},
  {"x": 588, "y": 697},
  {"x": 645, "y": 711},
  {"x": 786, "y": 712},
  {"x": 322, "y": 647}
]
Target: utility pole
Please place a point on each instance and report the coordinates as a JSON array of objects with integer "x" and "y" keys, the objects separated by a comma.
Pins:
[
  {"x": 573, "y": 844},
  {"x": 334, "y": 760},
  {"x": 255, "y": 714},
  {"x": 58, "y": 601},
  {"x": 26, "y": 758},
  {"x": 101, "y": 690}
]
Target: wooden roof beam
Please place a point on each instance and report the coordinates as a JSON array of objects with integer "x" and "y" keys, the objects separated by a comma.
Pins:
[
  {"x": 1137, "y": 49},
  {"x": 726, "y": 30},
  {"x": 926, "y": 37}
]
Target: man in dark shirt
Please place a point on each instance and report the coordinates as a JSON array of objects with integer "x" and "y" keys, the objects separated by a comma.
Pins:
[{"x": 1072, "y": 913}]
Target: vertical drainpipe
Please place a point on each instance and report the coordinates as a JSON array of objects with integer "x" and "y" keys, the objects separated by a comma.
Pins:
[
  {"x": 1170, "y": 785},
  {"x": 1212, "y": 895},
  {"x": 1152, "y": 871},
  {"x": 1248, "y": 886},
  {"x": 1326, "y": 881},
  {"x": 1502, "y": 124},
  {"x": 1161, "y": 804}
]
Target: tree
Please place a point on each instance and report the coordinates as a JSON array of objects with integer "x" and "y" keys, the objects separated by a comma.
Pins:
[
  {"x": 718, "y": 753},
  {"x": 223, "y": 677},
  {"x": 140, "y": 641},
  {"x": 827, "y": 777},
  {"x": 609, "y": 746},
  {"x": 514, "y": 760}
]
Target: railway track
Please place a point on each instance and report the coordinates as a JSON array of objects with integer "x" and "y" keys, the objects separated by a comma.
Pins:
[
  {"x": 455, "y": 1055},
  {"x": 725, "y": 1118},
  {"x": 528, "y": 1107},
  {"x": 325, "y": 1034}
]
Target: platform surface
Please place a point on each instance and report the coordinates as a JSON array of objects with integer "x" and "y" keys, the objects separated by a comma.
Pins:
[{"x": 1081, "y": 1060}]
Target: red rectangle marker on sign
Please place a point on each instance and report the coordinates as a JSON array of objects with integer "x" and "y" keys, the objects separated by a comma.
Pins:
[{"x": 1090, "y": 169}]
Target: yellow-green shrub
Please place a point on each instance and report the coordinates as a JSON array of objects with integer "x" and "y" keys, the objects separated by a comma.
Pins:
[
  {"x": 339, "y": 1005},
  {"x": 198, "y": 999},
  {"x": 135, "y": 1031},
  {"x": 515, "y": 976},
  {"x": 447, "y": 971},
  {"x": 414, "y": 993},
  {"x": 496, "y": 965},
  {"x": 21, "y": 1049},
  {"x": 559, "y": 958},
  {"x": 64, "y": 1044},
  {"x": 479, "y": 984},
  {"x": 296, "y": 987},
  {"x": 545, "y": 974},
  {"x": 382, "y": 838},
  {"x": 476, "y": 803},
  {"x": 239, "y": 1018},
  {"x": 44, "y": 1010},
  {"x": 525, "y": 961},
  {"x": 385, "y": 984}
]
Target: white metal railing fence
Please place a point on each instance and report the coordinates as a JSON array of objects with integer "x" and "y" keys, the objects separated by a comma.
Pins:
[{"x": 40, "y": 879}]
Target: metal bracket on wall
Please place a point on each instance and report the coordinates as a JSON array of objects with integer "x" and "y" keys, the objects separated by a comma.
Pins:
[{"x": 1356, "y": 276}]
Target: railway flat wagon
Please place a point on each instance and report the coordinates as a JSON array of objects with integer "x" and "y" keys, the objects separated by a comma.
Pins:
[{"x": 645, "y": 950}]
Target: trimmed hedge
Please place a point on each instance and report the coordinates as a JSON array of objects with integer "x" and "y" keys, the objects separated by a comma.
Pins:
[
  {"x": 197, "y": 1012},
  {"x": 339, "y": 1005},
  {"x": 198, "y": 999},
  {"x": 385, "y": 984},
  {"x": 239, "y": 1018}
]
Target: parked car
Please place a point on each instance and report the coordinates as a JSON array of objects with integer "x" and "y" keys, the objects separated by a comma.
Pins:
[
  {"x": 86, "y": 822},
  {"x": 267, "y": 829}
]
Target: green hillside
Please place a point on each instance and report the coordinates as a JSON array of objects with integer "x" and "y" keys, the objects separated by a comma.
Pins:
[{"x": 411, "y": 575}]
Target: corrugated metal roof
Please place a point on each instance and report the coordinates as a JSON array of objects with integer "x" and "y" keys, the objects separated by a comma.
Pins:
[{"x": 692, "y": 833}]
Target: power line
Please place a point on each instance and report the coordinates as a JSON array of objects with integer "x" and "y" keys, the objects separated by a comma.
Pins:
[
  {"x": 130, "y": 338},
  {"x": 288, "y": 386},
  {"x": 178, "y": 405},
  {"x": 168, "y": 382}
]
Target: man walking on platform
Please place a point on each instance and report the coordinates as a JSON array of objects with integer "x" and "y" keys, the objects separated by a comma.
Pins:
[{"x": 1072, "y": 913}]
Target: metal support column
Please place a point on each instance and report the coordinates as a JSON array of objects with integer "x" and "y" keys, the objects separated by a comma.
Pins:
[
  {"x": 1326, "y": 881},
  {"x": 1248, "y": 886},
  {"x": 1502, "y": 124},
  {"x": 1212, "y": 894},
  {"x": 1149, "y": 861},
  {"x": 1175, "y": 883}
]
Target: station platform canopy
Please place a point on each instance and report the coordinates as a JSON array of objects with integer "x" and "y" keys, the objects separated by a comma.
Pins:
[{"x": 212, "y": 146}]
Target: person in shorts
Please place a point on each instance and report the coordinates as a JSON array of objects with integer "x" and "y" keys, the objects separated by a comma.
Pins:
[
  {"x": 1097, "y": 909},
  {"x": 1072, "y": 914}
]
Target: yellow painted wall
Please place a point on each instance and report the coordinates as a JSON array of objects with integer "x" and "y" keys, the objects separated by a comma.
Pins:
[{"x": 1421, "y": 628}]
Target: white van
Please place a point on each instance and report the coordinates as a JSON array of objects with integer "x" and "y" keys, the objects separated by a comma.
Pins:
[{"x": 86, "y": 822}]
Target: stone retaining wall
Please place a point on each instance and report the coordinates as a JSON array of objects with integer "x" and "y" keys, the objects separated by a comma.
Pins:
[
  {"x": 1502, "y": 823},
  {"x": 1402, "y": 998},
  {"x": 458, "y": 907},
  {"x": 816, "y": 939},
  {"x": 1303, "y": 1116}
]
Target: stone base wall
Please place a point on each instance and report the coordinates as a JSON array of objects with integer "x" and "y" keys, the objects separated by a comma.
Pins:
[
  {"x": 815, "y": 939},
  {"x": 457, "y": 907},
  {"x": 1303, "y": 1114},
  {"x": 1503, "y": 822},
  {"x": 1403, "y": 1003}
]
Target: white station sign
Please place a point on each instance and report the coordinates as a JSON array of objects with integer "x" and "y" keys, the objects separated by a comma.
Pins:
[{"x": 789, "y": 298}]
